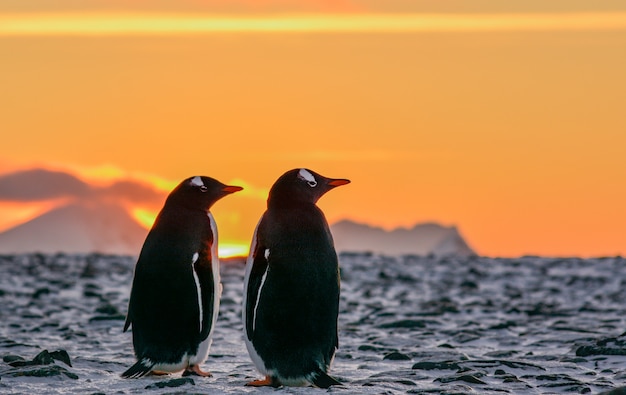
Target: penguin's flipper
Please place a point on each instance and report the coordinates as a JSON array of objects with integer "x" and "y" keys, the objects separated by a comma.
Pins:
[
  {"x": 321, "y": 379},
  {"x": 127, "y": 323},
  {"x": 141, "y": 368}
]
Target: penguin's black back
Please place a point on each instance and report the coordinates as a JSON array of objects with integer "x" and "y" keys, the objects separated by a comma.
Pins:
[
  {"x": 301, "y": 291},
  {"x": 163, "y": 308}
]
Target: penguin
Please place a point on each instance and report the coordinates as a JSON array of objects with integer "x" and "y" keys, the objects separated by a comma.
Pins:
[
  {"x": 176, "y": 289},
  {"x": 291, "y": 286}
]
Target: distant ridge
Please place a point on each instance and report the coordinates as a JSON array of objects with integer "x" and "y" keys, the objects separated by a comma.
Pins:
[
  {"x": 422, "y": 239},
  {"x": 105, "y": 227},
  {"x": 77, "y": 228}
]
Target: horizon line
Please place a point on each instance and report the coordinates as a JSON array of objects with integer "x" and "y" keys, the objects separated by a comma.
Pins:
[{"x": 149, "y": 24}]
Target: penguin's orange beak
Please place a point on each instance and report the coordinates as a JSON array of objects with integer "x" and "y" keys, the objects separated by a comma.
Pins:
[
  {"x": 338, "y": 182},
  {"x": 231, "y": 189}
]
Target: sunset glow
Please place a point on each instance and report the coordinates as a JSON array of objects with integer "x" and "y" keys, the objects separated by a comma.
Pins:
[
  {"x": 150, "y": 24},
  {"x": 226, "y": 248},
  {"x": 231, "y": 250},
  {"x": 144, "y": 217},
  {"x": 503, "y": 119},
  {"x": 13, "y": 214}
]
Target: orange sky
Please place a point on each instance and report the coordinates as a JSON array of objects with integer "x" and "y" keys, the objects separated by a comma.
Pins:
[{"x": 513, "y": 130}]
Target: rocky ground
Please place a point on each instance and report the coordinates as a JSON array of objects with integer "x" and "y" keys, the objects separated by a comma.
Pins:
[{"x": 417, "y": 325}]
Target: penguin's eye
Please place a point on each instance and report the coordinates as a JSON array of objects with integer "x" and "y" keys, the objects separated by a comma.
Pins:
[
  {"x": 312, "y": 184},
  {"x": 203, "y": 188}
]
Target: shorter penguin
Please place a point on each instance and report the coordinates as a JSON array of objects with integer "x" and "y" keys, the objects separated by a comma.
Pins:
[
  {"x": 176, "y": 288},
  {"x": 291, "y": 285}
]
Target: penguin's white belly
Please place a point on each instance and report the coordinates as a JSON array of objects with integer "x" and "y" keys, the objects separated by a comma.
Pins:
[
  {"x": 254, "y": 355},
  {"x": 203, "y": 348}
]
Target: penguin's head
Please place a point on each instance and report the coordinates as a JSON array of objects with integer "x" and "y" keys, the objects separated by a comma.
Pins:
[
  {"x": 302, "y": 186},
  {"x": 200, "y": 192}
]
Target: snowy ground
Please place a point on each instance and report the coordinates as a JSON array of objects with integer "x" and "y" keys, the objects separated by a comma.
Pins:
[{"x": 413, "y": 325}]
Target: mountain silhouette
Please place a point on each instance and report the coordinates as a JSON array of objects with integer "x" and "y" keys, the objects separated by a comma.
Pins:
[
  {"x": 422, "y": 239},
  {"x": 108, "y": 228},
  {"x": 77, "y": 228}
]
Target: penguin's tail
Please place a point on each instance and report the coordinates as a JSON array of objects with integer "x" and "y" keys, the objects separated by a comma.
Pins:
[
  {"x": 141, "y": 368},
  {"x": 321, "y": 379}
]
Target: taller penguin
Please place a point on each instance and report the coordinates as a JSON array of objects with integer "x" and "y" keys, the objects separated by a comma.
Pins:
[
  {"x": 291, "y": 285},
  {"x": 176, "y": 288}
]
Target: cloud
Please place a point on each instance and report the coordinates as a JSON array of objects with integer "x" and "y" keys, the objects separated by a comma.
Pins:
[
  {"x": 42, "y": 184},
  {"x": 133, "y": 192}
]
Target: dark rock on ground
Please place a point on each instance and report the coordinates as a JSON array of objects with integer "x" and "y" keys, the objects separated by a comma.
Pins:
[
  {"x": 403, "y": 324},
  {"x": 603, "y": 346},
  {"x": 61, "y": 355},
  {"x": 426, "y": 365},
  {"x": 172, "y": 383},
  {"x": 615, "y": 391},
  {"x": 396, "y": 356},
  {"x": 45, "y": 371},
  {"x": 43, "y": 358}
]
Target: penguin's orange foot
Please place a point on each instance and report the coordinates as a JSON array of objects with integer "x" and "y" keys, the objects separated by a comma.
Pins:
[
  {"x": 196, "y": 371},
  {"x": 267, "y": 381},
  {"x": 159, "y": 373}
]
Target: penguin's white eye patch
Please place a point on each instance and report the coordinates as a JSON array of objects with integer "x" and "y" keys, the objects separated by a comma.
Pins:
[
  {"x": 308, "y": 177},
  {"x": 197, "y": 181}
]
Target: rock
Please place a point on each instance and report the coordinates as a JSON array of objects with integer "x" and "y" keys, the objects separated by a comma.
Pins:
[
  {"x": 615, "y": 391},
  {"x": 43, "y": 358},
  {"x": 41, "y": 291},
  {"x": 108, "y": 309},
  {"x": 436, "y": 365},
  {"x": 369, "y": 347},
  {"x": 118, "y": 317},
  {"x": 573, "y": 359},
  {"x": 403, "y": 324},
  {"x": 46, "y": 371},
  {"x": 172, "y": 383},
  {"x": 605, "y": 346},
  {"x": 396, "y": 356},
  {"x": 440, "y": 306},
  {"x": 468, "y": 378},
  {"x": 585, "y": 351},
  {"x": 10, "y": 358},
  {"x": 504, "y": 325},
  {"x": 61, "y": 355}
]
